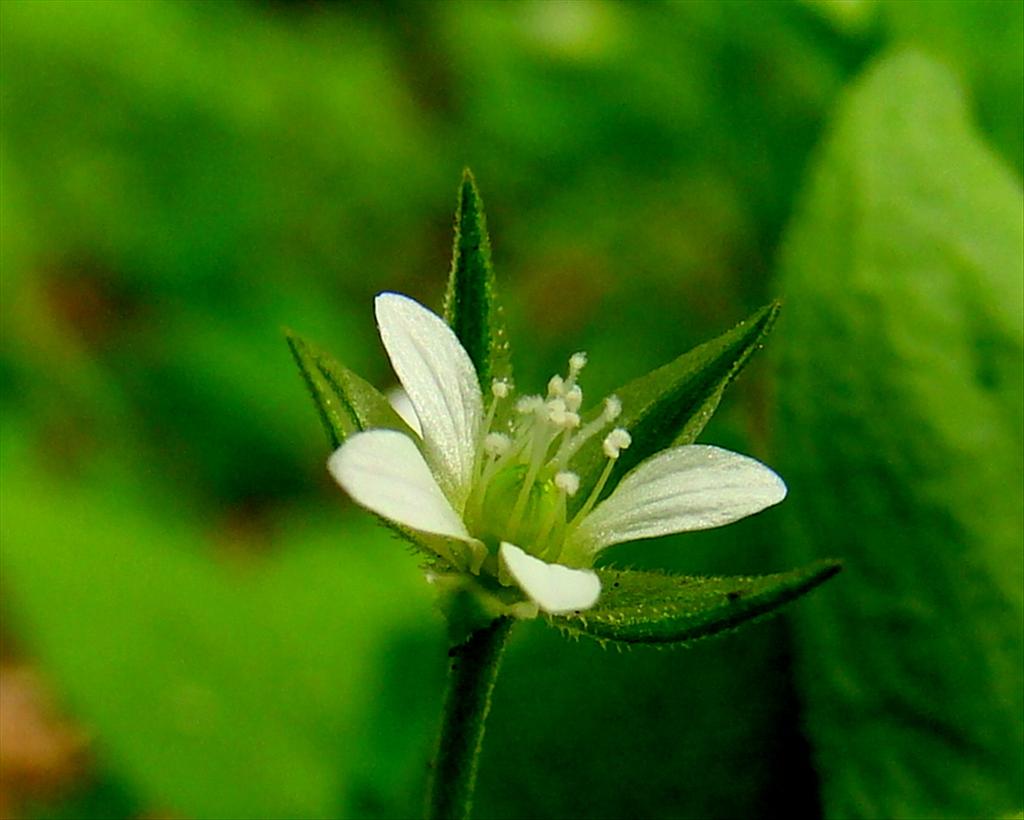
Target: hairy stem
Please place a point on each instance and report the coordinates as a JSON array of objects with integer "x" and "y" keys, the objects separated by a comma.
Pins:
[{"x": 471, "y": 677}]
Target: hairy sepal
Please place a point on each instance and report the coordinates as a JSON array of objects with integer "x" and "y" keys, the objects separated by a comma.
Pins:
[
  {"x": 471, "y": 306},
  {"x": 346, "y": 403},
  {"x": 670, "y": 405},
  {"x": 658, "y": 608}
]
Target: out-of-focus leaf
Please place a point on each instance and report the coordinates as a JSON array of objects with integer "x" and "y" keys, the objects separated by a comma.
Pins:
[
  {"x": 656, "y": 608},
  {"x": 984, "y": 41},
  {"x": 900, "y": 435},
  {"x": 346, "y": 403},
  {"x": 670, "y": 406},
  {"x": 471, "y": 306},
  {"x": 214, "y": 688}
]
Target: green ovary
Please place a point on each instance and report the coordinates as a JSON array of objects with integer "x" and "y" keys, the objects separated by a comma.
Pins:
[{"x": 541, "y": 524}]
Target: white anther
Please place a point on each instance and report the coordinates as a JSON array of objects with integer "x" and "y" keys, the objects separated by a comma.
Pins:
[
  {"x": 500, "y": 388},
  {"x": 556, "y": 412},
  {"x": 573, "y": 398},
  {"x": 529, "y": 404},
  {"x": 616, "y": 441},
  {"x": 612, "y": 408},
  {"x": 577, "y": 362},
  {"x": 567, "y": 482},
  {"x": 556, "y": 387},
  {"x": 496, "y": 444},
  {"x": 571, "y": 420}
]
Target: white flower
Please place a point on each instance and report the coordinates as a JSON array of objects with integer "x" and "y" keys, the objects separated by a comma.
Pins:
[{"x": 488, "y": 482}]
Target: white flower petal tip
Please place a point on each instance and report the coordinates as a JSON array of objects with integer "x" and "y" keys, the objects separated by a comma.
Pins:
[
  {"x": 385, "y": 472},
  {"x": 695, "y": 487},
  {"x": 554, "y": 588},
  {"x": 441, "y": 383}
]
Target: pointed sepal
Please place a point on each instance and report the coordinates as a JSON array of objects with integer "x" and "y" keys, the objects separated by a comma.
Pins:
[
  {"x": 346, "y": 403},
  {"x": 471, "y": 307},
  {"x": 657, "y": 608},
  {"x": 670, "y": 405}
]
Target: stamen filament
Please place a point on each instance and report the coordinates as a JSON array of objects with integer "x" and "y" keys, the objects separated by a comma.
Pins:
[
  {"x": 540, "y": 448},
  {"x": 569, "y": 448},
  {"x": 592, "y": 498},
  {"x": 614, "y": 443}
]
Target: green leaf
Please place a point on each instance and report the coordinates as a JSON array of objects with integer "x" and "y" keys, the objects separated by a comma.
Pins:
[
  {"x": 670, "y": 405},
  {"x": 900, "y": 436},
  {"x": 471, "y": 307},
  {"x": 983, "y": 42},
  {"x": 655, "y": 608},
  {"x": 346, "y": 403},
  {"x": 213, "y": 691}
]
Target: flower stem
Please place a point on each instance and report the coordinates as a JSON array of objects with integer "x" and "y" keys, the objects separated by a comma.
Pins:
[{"x": 471, "y": 677}]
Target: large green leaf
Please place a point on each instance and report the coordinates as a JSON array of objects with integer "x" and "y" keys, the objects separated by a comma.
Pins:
[
  {"x": 670, "y": 405},
  {"x": 983, "y": 41},
  {"x": 217, "y": 683},
  {"x": 656, "y": 608},
  {"x": 900, "y": 435},
  {"x": 471, "y": 306}
]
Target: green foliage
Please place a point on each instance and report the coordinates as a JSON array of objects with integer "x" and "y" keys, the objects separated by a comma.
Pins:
[
  {"x": 655, "y": 608},
  {"x": 671, "y": 405},
  {"x": 346, "y": 403},
  {"x": 471, "y": 305},
  {"x": 900, "y": 434},
  {"x": 179, "y": 180},
  {"x": 170, "y": 656},
  {"x": 984, "y": 41}
]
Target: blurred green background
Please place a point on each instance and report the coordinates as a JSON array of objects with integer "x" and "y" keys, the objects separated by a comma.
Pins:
[{"x": 197, "y": 623}]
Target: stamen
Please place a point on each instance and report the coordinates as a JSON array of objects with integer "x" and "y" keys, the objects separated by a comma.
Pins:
[
  {"x": 499, "y": 389},
  {"x": 612, "y": 409},
  {"x": 562, "y": 418},
  {"x": 568, "y": 482},
  {"x": 573, "y": 397},
  {"x": 556, "y": 387},
  {"x": 618, "y": 439},
  {"x": 614, "y": 443},
  {"x": 541, "y": 440},
  {"x": 497, "y": 444},
  {"x": 577, "y": 361},
  {"x": 529, "y": 404}
]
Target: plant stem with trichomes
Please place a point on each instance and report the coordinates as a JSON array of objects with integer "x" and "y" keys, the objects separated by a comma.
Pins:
[{"x": 471, "y": 677}]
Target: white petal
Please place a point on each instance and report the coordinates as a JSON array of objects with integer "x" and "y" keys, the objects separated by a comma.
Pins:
[
  {"x": 399, "y": 401},
  {"x": 442, "y": 385},
  {"x": 553, "y": 587},
  {"x": 384, "y": 471},
  {"x": 686, "y": 488}
]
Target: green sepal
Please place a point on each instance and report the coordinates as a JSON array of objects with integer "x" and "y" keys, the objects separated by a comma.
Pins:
[
  {"x": 346, "y": 403},
  {"x": 670, "y": 405},
  {"x": 656, "y": 608},
  {"x": 471, "y": 307}
]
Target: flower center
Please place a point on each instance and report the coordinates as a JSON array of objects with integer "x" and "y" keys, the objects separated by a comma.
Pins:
[
  {"x": 522, "y": 476},
  {"x": 543, "y": 514}
]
